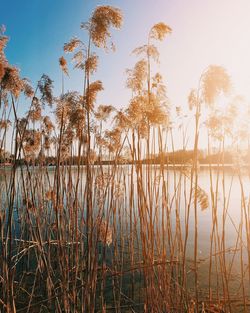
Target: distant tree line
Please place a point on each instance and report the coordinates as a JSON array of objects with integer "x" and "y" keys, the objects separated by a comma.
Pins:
[{"x": 175, "y": 157}]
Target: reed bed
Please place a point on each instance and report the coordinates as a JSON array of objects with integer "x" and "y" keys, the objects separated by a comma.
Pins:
[{"x": 104, "y": 228}]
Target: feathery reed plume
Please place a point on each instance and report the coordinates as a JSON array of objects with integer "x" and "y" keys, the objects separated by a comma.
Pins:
[
  {"x": 91, "y": 93},
  {"x": 32, "y": 144},
  {"x": 148, "y": 50},
  {"x": 72, "y": 45},
  {"x": 193, "y": 99},
  {"x": 100, "y": 22},
  {"x": 48, "y": 125},
  {"x": 103, "y": 112},
  {"x": 3, "y": 43},
  {"x": 202, "y": 198},
  {"x": 215, "y": 80},
  {"x": 2, "y": 71},
  {"x": 137, "y": 76},
  {"x": 121, "y": 120},
  {"x": 78, "y": 59},
  {"x": 63, "y": 65},
  {"x": 27, "y": 88},
  {"x": 45, "y": 86},
  {"x": 4, "y": 124},
  {"x": 91, "y": 64},
  {"x": 35, "y": 114},
  {"x": 159, "y": 31},
  {"x": 11, "y": 80}
]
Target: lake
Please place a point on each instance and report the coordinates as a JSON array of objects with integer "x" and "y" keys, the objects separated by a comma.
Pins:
[{"x": 149, "y": 209}]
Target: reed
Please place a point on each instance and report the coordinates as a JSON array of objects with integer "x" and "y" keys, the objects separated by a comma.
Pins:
[{"x": 99, "y": 219}]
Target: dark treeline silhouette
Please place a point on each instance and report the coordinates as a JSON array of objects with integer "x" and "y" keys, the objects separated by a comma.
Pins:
[{"x": 182, "y": 157}]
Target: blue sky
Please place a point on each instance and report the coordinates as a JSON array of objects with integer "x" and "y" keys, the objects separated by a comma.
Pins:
[
  {"x": 204, "y": 32},
  {"x": 39, "y": 28}
]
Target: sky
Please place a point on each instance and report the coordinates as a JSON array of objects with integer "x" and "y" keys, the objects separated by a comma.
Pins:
[{"x": 204, "y": 32}]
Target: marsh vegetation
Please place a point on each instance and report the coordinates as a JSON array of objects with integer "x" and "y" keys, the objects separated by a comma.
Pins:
[{"x": 83, "y": 235}]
